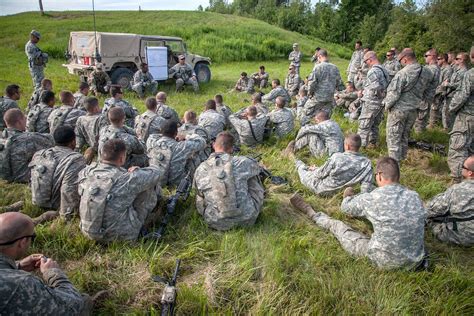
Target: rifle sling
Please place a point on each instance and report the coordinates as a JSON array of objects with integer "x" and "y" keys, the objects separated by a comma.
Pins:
[{"x": 251, "y": 130}]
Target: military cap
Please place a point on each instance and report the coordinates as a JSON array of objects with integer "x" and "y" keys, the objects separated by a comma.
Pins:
[
  {"x": 181, "y": 57},
  {"x": 35, "y": 34},
  {"x": 295, "y": 44}
]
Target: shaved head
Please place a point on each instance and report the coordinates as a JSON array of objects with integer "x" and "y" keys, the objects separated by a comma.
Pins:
[
  {"x": 116, "y": 115},
  {"x": 190, "y": 117},
  {"x": 469, "y": 162},
  {"x": 161, "y": 96},
  {"x": 14, "y": 225},
  {"x": 353, "y": 142},
  {"x": 322, "y": 116},
  {"x": 12, "y": 117}
]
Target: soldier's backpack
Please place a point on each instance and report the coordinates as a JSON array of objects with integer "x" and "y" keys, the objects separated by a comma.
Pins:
[
  {"x": 5, "y": 155},
  {"x": 59, "y": 119},
  {"x": 94, "y": 197},
  {"x": 160, "y": 155},
  {"x": 142, "y": 127},
  {"x": 32, "y": 117}
]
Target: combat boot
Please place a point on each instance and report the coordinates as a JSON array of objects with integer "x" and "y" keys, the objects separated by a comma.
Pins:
[
  {"x": 45, "y": 217},
  {"x": 299, "y": 203},
  {"x": 15, "y": 207},
  {"x": 290, "y": 149}
]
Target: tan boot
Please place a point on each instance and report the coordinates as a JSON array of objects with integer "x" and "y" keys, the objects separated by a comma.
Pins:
[
  {"x": 290, "y": 149},
  {"x": 299, "y": 203},
  {"x": 45, "y": 217},
  {"x": 15, "y": 207}
]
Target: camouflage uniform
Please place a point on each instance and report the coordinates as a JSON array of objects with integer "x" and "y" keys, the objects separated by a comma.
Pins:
[
  {"x": 130, "y": 111},
  {"x": 63, "y": 193},
  {"x": 392, "y": 66},
  {"x": 37, "y": 118},
  {"x": 461, "y": 141},
  {"x": 372, "y": 110},
  {"x": 245, "y": 85},
  {"x": 35, "y": 63},
  {"x": 250, "y": 131},
  {"x": 300, "y": 103},
  {"x": 17, "y": 149},
  {"x": 229, "y": 192},
  {"x": 292, "y": 84},
  {"x": 79, "y": 100},
  {"x": 189, "y": 129},
  {"x": 213, "y": 122},
  {"x": 325, "y": 137},
  {"x": 404, "y": 93},
  {"x": 362, "y": 76},
  {"x": 115, "y": 203},
  {"x": 450, "y": 214},
  {"x": 226, "y": 112},
  {"x": 65, "y": 115},
  {"x": 425, "y": 105},
  {"x": 355, "y": 64},
  {"x": 435, "y": 112},
  {"x": 397, "y": 216},
  {"x": 98, "y": 80},
  {"x": 260, "y": 80},
  {"x": 87, "y": 130},
  {"x": 35, "y": 97},
  {"x": 6, "y": 104},
  {"x": 295, "y": 59},
  {"x": 183, "y": 75},
  {"x": 341, "y": 170},
  {"x": 271, "y": 96},
  {"x": 322, "y": 82},
  {"x": 453, "y": 85},
  {"x": 147, "y": 124},
  {"x": 136, "y": 150},
  {"x": 142, "y": 82},
  {"x": 173, "y": 157},
  {"x": 345, "y": 98},
  {"x": 283, "y": 121},
  {"x": 167, "y": 112},
  {"x": 23, "y": 293}
]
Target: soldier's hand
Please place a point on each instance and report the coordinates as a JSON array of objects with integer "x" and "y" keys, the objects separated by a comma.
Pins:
[
  {"x": 89, "y": 155},
  {"x": 30, "y": 263},
  {"x": 47, "y": 263},
  {"x": 348, "y": 192},
  {"x": 180, "y": 137}
]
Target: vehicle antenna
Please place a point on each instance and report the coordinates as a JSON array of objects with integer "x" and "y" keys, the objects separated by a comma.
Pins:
[{"x": 97, "y": 54}]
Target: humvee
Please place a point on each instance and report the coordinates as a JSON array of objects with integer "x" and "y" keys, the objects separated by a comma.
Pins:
[{"x": 122, "y": 53}]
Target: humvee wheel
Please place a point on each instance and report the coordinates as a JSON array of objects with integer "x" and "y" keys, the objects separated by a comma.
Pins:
[
  {"x": 122, "y": 77},
  {"x": 203, "y": 72}
]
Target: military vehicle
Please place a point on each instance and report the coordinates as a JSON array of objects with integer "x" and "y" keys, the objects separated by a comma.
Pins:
[{"x": 122, "y": 53}]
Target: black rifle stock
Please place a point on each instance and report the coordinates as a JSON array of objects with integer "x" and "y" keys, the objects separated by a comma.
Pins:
[{"x": 168, "y": 299}]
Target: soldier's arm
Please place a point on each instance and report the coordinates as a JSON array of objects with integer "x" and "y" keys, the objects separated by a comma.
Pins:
[
  {"x": 393, "y": 92},
  {"x": 69, "y": 194},
  {"x": 192, "y": 144},
  {"x": 355, "y": 205},
  {"x": 143, "y": 179},
  {"x": 325, "y": 170},
  {"x": 439, "y": 205},
  {"x": 80, "y": 139},
  {"x": 462, "y": 94},
  {"x": 137, "y": 146}
]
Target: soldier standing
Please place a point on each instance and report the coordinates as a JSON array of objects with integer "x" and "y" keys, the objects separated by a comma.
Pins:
[
  {"x": 440, "y": 94},
  {"x": 184, "y": 75},
  {"x": 36, "y": 59},
  {"x": 295, "y": 57},
  {"x": 391, "y": 64},
  {"x": 356, "y": 62}
]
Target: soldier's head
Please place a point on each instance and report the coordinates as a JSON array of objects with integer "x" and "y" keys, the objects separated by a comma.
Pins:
[
  {"x": 352, "y": 142},
  {"x": 468, "y": 168},
  {"x": 224, "y": 143},
  {"x": 65, "y": 136},
  {"x": 114, "y": 152},
  {"x": 47, "y": 84},
  {"x": 218, "y": 98},
  {"x": 370, "y": 58},
  {"x": 451, "y": 57},
  {"x": 291, "y": 69},
  {"x": 431, "y": 56},
  {"x": 116, "y": 92},
  {"x": 442, "y": 59},
  {"x": 151, "y": 104},
  {"x": 387, "y": 171},
  {"x": 262, "y": 69},
  {"x": 316, "y": 50},
  {"x": 251, "y": 111},
  {"x": 350, "y": 86},
  {"x": 407, "y": 56},
  {"x": 116, "y": 116},
  {"x": 321, "y": 116},
  {"x": 144, "y": 67},
  {"x": 84, "y": 88},
  {"x": 394, "y": 50},
  {"x": 256, "y": 98},
  {"x": 280, "y": 102},
  {"x": 323, "y": 55},
  {"x": 182, "y": 59},
  {"x": 210, "y": 105},
  {"x": 66, "y": 97},
  {"x": 92, "y": 105},
  {"x": 161, "y": 97},
  {"x": 358, "y": 45},
  {"x": 17, "y": 232},
  {"x": 47, "y": 97},
  {"x": 275, "y": 83},
  {"x": 462, "y": 59},
  {"x": 243, "y": 75},
  {"x": 296, "y": 47},
  {"x": 390, "y": 55},
  {"x": 14, "y": 118},
  {"x": 190, "y": 117},
  {"x": 170, "y": 129},
  {"x": 35, "y": 36},
  {"x": 13, "y": 92}
]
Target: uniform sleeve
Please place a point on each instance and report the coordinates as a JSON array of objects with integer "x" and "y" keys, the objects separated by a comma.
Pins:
[
  {"x": 462, "y": 94},
  {"x": 69, "y": 194},
  {"x": 192, "y": 144},
  {"x": 439, "y": 205},
  {"x": 143, "y": 179},
  {"x": 80, "y": 139},
  {"x": 393, "y": 91},
  {"x": 325, "y": 170},
  {"x": 137, "y": 146},
  {"x": 355, "y": 205}
]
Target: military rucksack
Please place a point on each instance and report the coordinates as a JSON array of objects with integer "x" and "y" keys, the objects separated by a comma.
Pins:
[
  {"x": 142, "y": 127},
  {"x": 160, "y": 155},
  {"x": 5, "y": 155},
  {"x": 59, "y": 119},
  {"x": 94, "y": 197}
]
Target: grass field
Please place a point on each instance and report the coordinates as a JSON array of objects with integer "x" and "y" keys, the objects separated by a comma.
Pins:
[{"x": 282, "y": 265}]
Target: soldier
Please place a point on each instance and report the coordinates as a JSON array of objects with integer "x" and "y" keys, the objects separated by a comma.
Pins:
[
  {"x": 229, "y": 192},
  {"x": 341, "y": 170},
  {"x": 12, "y": 94},
  {"x": 223, "y": 109},
  {"x": 23, "y": 292},
  {"x": 404, "y": 93},
  {"x": 88, "y": 127},
  {"x": 260, "y": 78},
  {"x": 346, "y": 97},
  {"x": 54, "y": 174},
  {"x": 81, "y": 95},
  {"x": 211, "y": 120},
  {"x": 292, "y": 81},
  {"x": 374, "y": 91},
  {"x": 362, "y": 74},
  {"x": 165, "y": 111},
  {"x": 314, "y": 58},
  {"x": 37, "y": 120},
  {"x": 99, "y": 81},
  {"x": 295, "y": 57},
  {"x": 282, "y": 118},
  {"x": 117, "y": 101},
  {"x": 391, "y": 64},
  {"x": 356, "y": 62},
  {"x": 36, "y": 59},
  {"x": 249, "y": 126},
  {"x": 301, "y": 100},
  {"x": 46, "y": 85},
  {"x": 440, "y": 94},
  {"x": 17, "y": 147},
  {"x": 184, "y": 74},
  {"x": 136, "y": 150},
  {"x": 397, "y": 216},
  {"x": 277, "y": 90},
  {"x": 244, "y": 84},
  {"x": 325, "y": 137},
  {"x": 66, "y": 114},
  {"x": 461, "y": 141},
  {"x": 262, "y": 109},
  {"x": 143, "y": 81},
  {"x": 173, "y": 153},
  {"x": 322, "y": 83},
  {"x": 149, "y": 122},
  {"x": 117, "y": 203}
]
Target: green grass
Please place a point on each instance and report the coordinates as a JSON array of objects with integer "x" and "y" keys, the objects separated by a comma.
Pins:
[{"x": 282, "y": 265}]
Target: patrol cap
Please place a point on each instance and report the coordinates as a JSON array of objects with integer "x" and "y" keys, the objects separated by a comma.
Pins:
[
  {"x": 35, "y": 34},
  {"x": 181, "y": 57},
  {"x": 295, "y": 44},
  {"x": 99, "y": 66}
]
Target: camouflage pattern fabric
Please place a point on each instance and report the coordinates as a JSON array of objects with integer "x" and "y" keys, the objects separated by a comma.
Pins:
[
  {"x": 295, "y": 59},
  {"x": 65, "y": 115},
  {"x": 242, "y": 127},
  {"x": 322, "y": 138},
  {"x": 147, "y": 124},
  {"x": 98, "y": 81},
  {"x": 361, "y": 76},
  {"x": 6, "y": 104},
  {"x": 79, "y": 100},
  {"x": 283, "y": 121},
  {"x": 345, "y": 98},
  {"x": 300, "y": 103},
  {"x": 453, "y": 84},
  {"x": 189, "y": 129},
  {"x": 37, "y": 118},
  {"x": 35, "y": 97},
  {"x": 428, "y": 98},
  {"x": 355, "y": 64},
  {"x": 278, "y": 91},
  {"x": 167, "y": 112},
  {"x": 245, "y": 85},
  {"x": 260, "y": 79},
  {"x": 226, "y": 112},
  {"x": 36, "y": 70},
  {"x": 292, "y": 84},
  {"x": 392, "y": 66},
  {"x": 213, "y": 122},
  {"x": 436, "y": 108},
  {"x": 183, "y": 75},
  {"x": 130, "y": 111},
  {"x": 143, "y": 82},
  {"x": 262, "y": 109},
  {"x": 87, "y": 130}
]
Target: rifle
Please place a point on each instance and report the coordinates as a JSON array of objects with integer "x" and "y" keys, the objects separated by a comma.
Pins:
[
  {"x": 168, "y": 299},
  {"x": 182, "y": 193},
  {"x": 265, "y": 173},
  {"x": 433, "y": 147}
]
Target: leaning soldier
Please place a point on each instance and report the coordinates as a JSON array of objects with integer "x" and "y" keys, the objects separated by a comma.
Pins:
[
  {"x": 211, "y": 120},
  {"x": 81, "y": 95},
  {"x": 99, "y": 81},
  {"x": 143, "y": 81},
  {"x": 281, "y": 118},
  {"x": 8, "y": 101},
  {"x": 184, "y": 75},
  {"x": 149, "y": 122},
  {"x": 66, "y": 114},
  {"x": 38, "y": 115},
  {"x": 249, "y": 125},
  {"x": 260, "y": 78},
  {"x": 36, "y": 59},
  {"x": 277, "y": 90},
  {"x": 117, "y": 100}
]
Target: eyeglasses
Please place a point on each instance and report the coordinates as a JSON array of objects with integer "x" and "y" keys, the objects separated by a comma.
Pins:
[
  {"x": 11, "y": 242},
  {"x": 440, "y": 58},
  {"x": 465, "y": 168},
  {"x": 428, "y": 55},
  {"x": 458, "y": 58},
  {"x": 388, "y": 55}
]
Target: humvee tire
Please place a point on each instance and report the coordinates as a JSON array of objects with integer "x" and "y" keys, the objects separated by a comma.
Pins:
[
  {"x": 203, "y": 73},
  {"x": 122, "y": 77}
]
